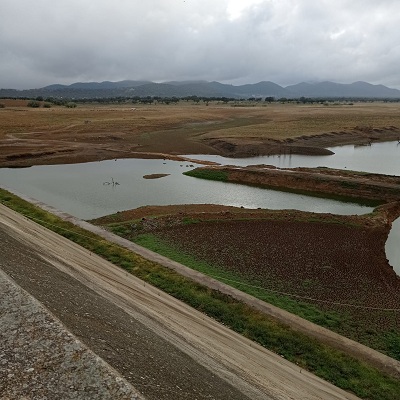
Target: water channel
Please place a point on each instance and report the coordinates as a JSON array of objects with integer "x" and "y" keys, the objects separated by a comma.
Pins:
[{"x": 87, "y": 190}]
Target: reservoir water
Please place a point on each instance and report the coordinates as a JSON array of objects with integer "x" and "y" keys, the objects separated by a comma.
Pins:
[{"x": 86, "y": 190}]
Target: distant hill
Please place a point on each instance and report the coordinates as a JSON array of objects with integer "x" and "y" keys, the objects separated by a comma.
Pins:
[
  {"x": 98, "y": 85},
  {"x": 356, "y": 89},
  {"x": 131, "y": 88}
]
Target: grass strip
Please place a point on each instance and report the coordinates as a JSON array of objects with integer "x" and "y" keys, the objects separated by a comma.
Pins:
[{"x": 336, "y": 367}]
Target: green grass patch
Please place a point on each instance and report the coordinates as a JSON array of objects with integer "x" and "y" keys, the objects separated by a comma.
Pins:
[
  {"x": 349, "y": 184},
  {"x": 190, "y": 221},
  {"x": 210, "y": 174},
  {"x": 326, "y": 362},
  {"x": 120, "y": 229}
]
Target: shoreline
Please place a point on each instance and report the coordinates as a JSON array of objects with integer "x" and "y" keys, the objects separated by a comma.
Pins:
[{"x": 22, "y": 153}]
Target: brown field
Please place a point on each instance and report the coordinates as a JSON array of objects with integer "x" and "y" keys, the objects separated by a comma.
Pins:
[{"x": 92, "y": 132}]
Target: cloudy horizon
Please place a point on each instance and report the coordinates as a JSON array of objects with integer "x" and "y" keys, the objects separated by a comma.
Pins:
[{"x": 230, "y": 41}]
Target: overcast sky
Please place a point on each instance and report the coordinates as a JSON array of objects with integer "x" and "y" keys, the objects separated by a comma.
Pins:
[{"x": 231, "y": 41}]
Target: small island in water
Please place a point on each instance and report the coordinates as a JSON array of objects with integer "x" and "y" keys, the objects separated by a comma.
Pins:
[{"x": 155, "y": 176}]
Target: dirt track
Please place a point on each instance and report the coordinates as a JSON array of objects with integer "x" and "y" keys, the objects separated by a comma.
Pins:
[{"x": 200, "y": 354}]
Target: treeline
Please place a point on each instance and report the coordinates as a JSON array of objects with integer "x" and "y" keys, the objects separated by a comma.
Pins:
[
  {"x": 232, "y": 100},
  {"x": 41, "y": 101}
]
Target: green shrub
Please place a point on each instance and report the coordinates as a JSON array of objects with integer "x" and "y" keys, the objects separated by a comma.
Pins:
[{"x": 33, "y": 104}]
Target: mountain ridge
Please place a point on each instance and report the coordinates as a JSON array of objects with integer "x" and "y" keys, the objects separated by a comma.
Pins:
[{"x": 200, "y": 88}]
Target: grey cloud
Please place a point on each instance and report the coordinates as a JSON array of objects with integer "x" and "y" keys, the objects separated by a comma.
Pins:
[{"x": 285, "y": 41}]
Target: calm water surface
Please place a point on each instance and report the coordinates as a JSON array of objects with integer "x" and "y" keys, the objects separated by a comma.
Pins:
[{"x": 82, "y": 189}]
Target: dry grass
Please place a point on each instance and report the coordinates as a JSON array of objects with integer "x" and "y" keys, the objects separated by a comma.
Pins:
[
  {"x": 275, "y": 120},
  {"x": 287, "y": 121},
  {"x": 183, "y": 128}
]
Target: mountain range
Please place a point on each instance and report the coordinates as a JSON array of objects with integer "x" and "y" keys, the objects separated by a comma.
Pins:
[{"x": 130, "y": 88}]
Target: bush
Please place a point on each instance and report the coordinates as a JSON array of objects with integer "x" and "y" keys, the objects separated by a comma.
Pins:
[
  {"x": 34, "y": 104},
  {"x": 2, "y": 105},
  {"x": 70, "y": 105}
]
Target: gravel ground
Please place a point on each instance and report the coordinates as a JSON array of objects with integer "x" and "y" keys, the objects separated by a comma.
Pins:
[{"x": 40, "y": 359}]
